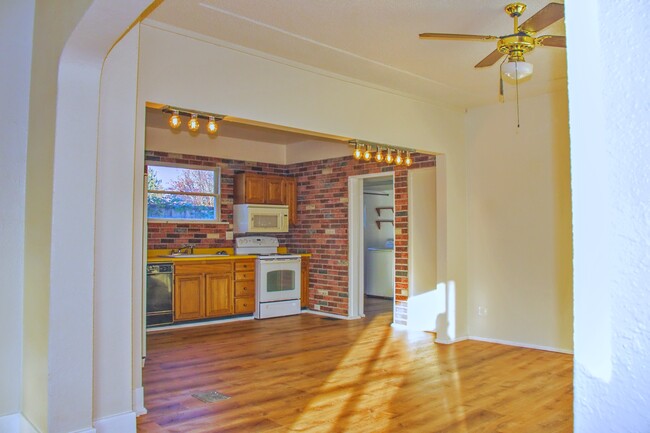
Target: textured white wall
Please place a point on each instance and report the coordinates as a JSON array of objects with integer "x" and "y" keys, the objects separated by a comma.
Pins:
[
  {"x": 520, "y": 223},
  {"x": 113, "y": 227},
  {"x": 609, "y": 108},
  {"x": 16, "y": 28}
]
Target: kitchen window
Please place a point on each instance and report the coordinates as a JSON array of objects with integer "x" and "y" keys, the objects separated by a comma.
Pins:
[{"x": 183, "y": 193}]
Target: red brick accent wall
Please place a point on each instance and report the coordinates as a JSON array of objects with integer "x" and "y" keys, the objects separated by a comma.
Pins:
[{"x": 322, "y": 227}]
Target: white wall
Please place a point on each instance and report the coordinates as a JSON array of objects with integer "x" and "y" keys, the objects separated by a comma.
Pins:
[
  {"x": 113, "y": 239},
  {"x": 609, "y": 107},
  {"x": 374, "y": 237},
  {"x": 520, "y": 223},
  {"x": 250, "y": 87},
  {"x": 16, "y": 28},
  {"x": 427, "y": 304}
]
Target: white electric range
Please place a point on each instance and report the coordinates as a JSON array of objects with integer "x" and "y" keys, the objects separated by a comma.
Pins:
[{"x": 277, "y": 276}]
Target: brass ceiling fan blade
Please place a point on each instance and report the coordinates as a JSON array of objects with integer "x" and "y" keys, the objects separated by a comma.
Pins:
[
  {"x": 456, "y": 37},
  {"x": 546, "y": 16},
  {"x": 490, "y": 60},
  {"x": 553, "y": 41}
]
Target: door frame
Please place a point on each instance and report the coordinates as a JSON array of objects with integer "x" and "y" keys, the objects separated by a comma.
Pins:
[{"x": 355, "y": 243}]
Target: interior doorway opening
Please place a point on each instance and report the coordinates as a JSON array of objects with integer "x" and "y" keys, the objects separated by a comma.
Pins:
[{"x": 371, "y": 244}]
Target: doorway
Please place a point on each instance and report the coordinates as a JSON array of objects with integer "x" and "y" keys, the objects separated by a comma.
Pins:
[{"x": 371, "y": 244}]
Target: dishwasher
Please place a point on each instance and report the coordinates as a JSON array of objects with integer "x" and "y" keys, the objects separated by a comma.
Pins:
[{"x": 160, "y": 289}]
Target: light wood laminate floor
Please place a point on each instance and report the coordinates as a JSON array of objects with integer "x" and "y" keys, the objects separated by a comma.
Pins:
[{"x": 308, "y": 373}]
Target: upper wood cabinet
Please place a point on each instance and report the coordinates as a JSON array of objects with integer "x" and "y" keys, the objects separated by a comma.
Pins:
[{"x": 267, "y": 189}]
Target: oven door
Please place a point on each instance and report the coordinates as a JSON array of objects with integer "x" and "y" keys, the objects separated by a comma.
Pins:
[{"x": 277, "y": 279}]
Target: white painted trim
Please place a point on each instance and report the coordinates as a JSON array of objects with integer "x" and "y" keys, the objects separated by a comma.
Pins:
[
  {"x": 123, "y": 423},
  {"x": 16, "y": 423},
  {"x": 195, "y": 324},
  {"x": 518, "y": 344},
  {"x": 322, "y": 313},
  {"x": 87, "y": 430},
  {"x": 448, "y": 341},
  {"x": 355, "y": 242},
  {"x": 138, "y": 401}
]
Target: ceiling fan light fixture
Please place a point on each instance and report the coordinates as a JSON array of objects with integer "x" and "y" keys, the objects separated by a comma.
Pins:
[{"x": 515, "y": 70}]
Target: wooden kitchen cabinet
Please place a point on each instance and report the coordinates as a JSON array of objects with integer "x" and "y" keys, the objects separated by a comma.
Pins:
[
  {"x": 256, "y": 188},
  {"x": 291, "y": 198},
  {"x": 244, "y": 286},
  {"x": 218, "y": 295},
  {"x": 304, "y": 282},
  {"x": 203, "y": 290},
  {"x": 275, "y": 193},
  {"x": 189, "y": 297}
]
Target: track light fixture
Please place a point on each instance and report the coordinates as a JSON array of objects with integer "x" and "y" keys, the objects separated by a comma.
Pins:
[
  {"x": 193, "y": 124},
  {"x": 212, "y": 125},
  {"x": 382, "y": 153},
  {"x": 379, "y": 156},
  {"x": 367, "y": 155},
  {"x": 175, "y": 120},
  {"x": 408, "y": 161}
]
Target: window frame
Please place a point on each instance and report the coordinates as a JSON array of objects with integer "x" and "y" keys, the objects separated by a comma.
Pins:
[{"x": 217, "y": 192}]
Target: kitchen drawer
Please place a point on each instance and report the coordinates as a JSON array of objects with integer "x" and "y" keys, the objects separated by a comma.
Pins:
[
  {"x": 244, "y": 266},
  {"x": 239, "y": 276},
  {"x": 244, "y": 305},
  {"x": 203, "y": 268},
  {"x": 245, "y": 288}
]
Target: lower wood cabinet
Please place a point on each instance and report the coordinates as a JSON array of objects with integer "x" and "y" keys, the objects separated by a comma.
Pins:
[
  {"x": 304, "y": 282},
  {"x": 244, "y": 286},
  {"x": 203, "y": 290}
]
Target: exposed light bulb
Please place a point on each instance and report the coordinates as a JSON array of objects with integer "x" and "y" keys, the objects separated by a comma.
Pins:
[
  {"x": 379, "y": 156},
  {"x": 175, "y": 120},
  {"x": 398, "y": 159},
  {"x": 408, "y": 161},
  {"x": 389, "y": 157},
  {"x": 357, "y": 152},
  {"x": 212, "y": 125},
  {"x": 193, "y": 123},
  {"x": 367, "y": 155}
]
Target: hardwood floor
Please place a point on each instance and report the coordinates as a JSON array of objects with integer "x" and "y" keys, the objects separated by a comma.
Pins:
[{"x": 308, "y": 373}]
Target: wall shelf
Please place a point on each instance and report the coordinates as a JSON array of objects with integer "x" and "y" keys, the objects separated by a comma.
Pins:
[
  {"x": 379, "y": 209},
  {"x": 378, "y": 222}
]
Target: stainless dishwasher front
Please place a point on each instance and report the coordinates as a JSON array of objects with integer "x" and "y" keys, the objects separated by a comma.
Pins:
[{"x": 160, "y": 289}]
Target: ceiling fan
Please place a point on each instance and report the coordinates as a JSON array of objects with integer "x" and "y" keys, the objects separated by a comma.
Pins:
[{"x": 520, "y": 42}]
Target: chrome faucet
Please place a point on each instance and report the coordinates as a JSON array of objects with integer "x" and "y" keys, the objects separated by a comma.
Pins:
[{"x": 189, "y": 249}]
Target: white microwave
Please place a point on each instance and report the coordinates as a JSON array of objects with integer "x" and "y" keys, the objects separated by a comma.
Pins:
[{"x": 260, "y": 218}]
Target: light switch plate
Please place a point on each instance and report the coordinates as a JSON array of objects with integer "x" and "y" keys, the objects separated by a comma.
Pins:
[{"x": 228, "y": 236}]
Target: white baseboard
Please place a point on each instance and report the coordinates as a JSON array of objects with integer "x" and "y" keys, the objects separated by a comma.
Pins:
[
  {"x": 195, "y": 324},
  {"x": 451, "y": 341},
  {"x": 122, "y": 423},
  {"x": 16, "y": 423},
  {"x": 138, "y": 401},
  {"x": 525, "y": 345},
  {"x": 336, "y": 316}
]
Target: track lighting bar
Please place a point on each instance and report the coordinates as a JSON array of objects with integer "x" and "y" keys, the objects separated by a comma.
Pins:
[
  {"x": 185, "y": 112},
  {"x": 383, "y": 153}
]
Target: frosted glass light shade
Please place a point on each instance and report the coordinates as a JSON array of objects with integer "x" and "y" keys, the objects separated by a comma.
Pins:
[{"x": 517, "y": 70}]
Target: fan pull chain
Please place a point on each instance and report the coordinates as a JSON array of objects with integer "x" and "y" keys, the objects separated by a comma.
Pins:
[{"x": 517, "y": 87}]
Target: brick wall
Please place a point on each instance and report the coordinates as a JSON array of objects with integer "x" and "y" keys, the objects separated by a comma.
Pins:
[{"x": 322, "y": 227}]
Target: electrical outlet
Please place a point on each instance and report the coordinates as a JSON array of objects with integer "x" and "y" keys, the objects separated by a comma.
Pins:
[
  {"x": 482, "y": 311},
  {"x": 228, "y": 236}
]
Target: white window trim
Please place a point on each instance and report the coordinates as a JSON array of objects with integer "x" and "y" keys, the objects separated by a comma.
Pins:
[{"x": 216, "y": 195}]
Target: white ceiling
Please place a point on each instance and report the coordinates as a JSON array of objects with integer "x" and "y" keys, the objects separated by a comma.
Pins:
[{"x": 376, "y": 41}]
